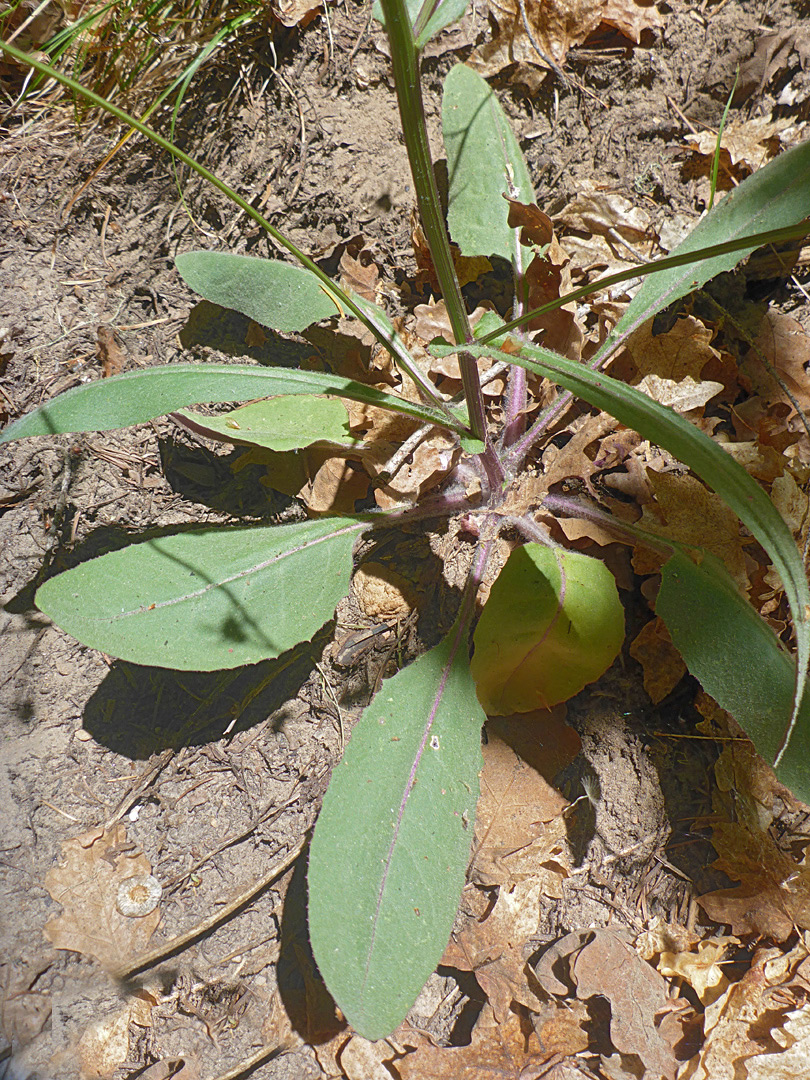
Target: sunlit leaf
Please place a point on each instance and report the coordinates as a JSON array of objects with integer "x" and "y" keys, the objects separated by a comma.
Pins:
[
  {"x": 707, "y": 459},
  {"x": 272, "y": 293},
  {"x": 444, "y": 13},
  {"x": 209, "y": 598},
  {"x": 484, "y": 163},
  {"x": 391, "y": 845},
  {"x": 280, "y": 423},
  {"x": 552, "y": 624},
  {"x": 137, "y": 396}
]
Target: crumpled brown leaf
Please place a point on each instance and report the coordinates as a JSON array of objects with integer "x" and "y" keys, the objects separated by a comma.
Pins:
[
  {"x": 661, "y": 663},
  {"x": 760, "y": 1027},
  {"x": 555, "y": 26},
  {"x": 598, "y": 963},
  {"x": 86, "y": 884},
  {"x": 498, "y": 1051}
]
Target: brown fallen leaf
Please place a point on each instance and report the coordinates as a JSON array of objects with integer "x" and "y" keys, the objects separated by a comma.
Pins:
[
  {"x": 498, "y": 1051},
  {"x": 700, "y": 968},
  {"x": 96, "y": 866},
  {"x": 688, "y": 512},
  {"x": 111, "y": 355},
  {"x": 520, "y": 847},
  {"x": 661, "y": 663},
  {"x": 553, "y": 27},
  {"x": 760, "y": 1027},
  {"x": 684, "y": 350},
  {"x": 638, "y": 997}
]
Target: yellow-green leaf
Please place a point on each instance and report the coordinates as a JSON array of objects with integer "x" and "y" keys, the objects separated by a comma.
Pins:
[{"x": 552, "y": 624}]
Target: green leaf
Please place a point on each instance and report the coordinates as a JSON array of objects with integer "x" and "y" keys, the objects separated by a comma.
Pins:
[
  {"x": 775, "y": 196},
  {"x": 484, "y": 163},
  {"x": 137, "y": 396},
  {"x": 207, "y": 599},
  {"x": 272, "y": 293},
  {"x": 552, "y": 624},
  {"x": 719, "y": 470},
  {"x": 391, "y": 846},
  {"x": 280, "y": 423},
  {"x": 738, "y": 659},
  {"x": 446, "y": 12}
]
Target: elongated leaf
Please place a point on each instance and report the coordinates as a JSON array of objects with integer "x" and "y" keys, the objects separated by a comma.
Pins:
[
  {"x": 484, "y": 163},
  {"x": 272, "y": 293},
  {"x": 719, "y": 470},
  {"x": 392, "y": 842},
  {"x": 446, "y": 12},
  {"x": 137, "y": 396},
  {"x": 775, "y": 196},
  {"x": 553, "y": 623},
  {"x": 279, "y": 423},
  {"x": 207, "y": 599},
  {"x": 724, "y": 643}
]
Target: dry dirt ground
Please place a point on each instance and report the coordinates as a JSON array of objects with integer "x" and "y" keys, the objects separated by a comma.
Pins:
[{"x": 214, "y": 780}]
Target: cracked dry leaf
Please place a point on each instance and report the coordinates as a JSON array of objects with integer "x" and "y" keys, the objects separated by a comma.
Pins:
[
  {"x": 682, "y": 351},
  {"x": 682, "y": 396},
  {"x": 773, "y": 894},
  {"x": 104, "y": 1044},
  {"x": 785, "y": 345},
  {"x": 520, "y": 846},
  {"x": 747, "y": 143},
  {"x": 605, "y": 213},
  {"x": 498, "y": 1051},
  {"x": 86, "y": 883}
]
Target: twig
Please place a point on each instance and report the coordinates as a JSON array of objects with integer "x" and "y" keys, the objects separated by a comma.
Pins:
[{"x": 182, "y": 941}]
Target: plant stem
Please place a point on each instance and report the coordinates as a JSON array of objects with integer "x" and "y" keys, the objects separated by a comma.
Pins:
[{"x": 405, "y": 63}]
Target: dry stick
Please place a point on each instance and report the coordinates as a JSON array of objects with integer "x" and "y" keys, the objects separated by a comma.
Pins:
[
  {"x": 267, "y": 1053},
  {"x": 182, "y": 941}
]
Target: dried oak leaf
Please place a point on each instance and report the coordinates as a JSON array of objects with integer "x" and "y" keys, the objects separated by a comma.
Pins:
[
  {"x": 756, "y": 1029},
  {"x": 700, "y": 969},
  {"x": 86, "y": 883},
  {"x": 555, "y": 26},
  {"x": 688, "y": 512},
  {"x": 773, "y": 894},
  {"x": 520, "y": 847},
  {"x": 608, "y": 967},
  {"x": 682, "y": 351},
  {"x": 785, "y": 345},
  {"x": 498, "y": 1051}
]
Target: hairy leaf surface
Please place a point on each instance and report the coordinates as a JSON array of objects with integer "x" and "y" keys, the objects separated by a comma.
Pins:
[
  {"x": 272, "y": 293},
  {"x": 738, "y": 659},
  {"x": 208, "y": 598},
  {"x": 280, "y": 423},
  {"x": 392, "y": 842},
  {"x": 137, "y": 396},
  {"x": 484, "y": 163}
]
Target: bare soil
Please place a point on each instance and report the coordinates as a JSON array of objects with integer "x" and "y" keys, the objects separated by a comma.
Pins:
[{"x": 217, "y": 778}]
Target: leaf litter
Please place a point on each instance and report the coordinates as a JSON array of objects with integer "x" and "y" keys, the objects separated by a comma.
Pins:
[{"x": 662, "y": 1001}]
